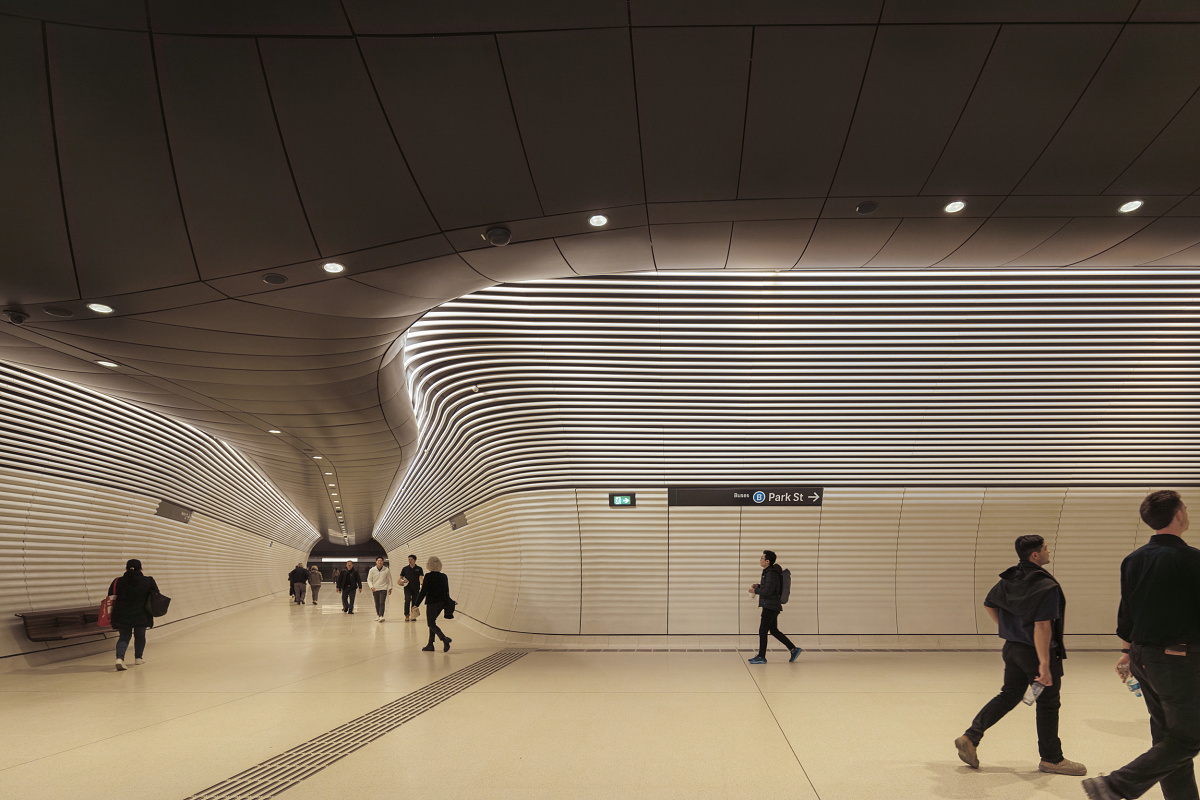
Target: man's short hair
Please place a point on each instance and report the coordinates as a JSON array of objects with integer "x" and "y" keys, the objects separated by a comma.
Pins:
[
  {"x": 414, "y": 558},
  {"x": 379, "y": 558},
  {"x": 1027, "y": 545},
  {"x": 1159, "y": 508},
  {"x": 769, "y": 555}
]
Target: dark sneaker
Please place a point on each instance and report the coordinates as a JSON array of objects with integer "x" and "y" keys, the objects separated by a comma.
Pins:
[
  {"x": 966, "y": 751},
  {"x": 796, "y": 651},
  {"x": 428, "y": 648},
  {"x": 1064, "y": 767},
  {"x": 1098, "y": 789},
  {"x": 758, "y": 660},
  {"x": 446, "y": 645}
]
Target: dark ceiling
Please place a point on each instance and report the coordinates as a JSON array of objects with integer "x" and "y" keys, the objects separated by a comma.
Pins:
[{"x": 161, "y": 157}]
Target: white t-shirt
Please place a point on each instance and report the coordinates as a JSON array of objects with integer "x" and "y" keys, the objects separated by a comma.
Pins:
[{"x": 379, "y": 579}]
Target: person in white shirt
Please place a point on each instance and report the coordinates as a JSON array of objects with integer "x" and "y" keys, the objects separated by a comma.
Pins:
[{"x": 379, "y": 578}]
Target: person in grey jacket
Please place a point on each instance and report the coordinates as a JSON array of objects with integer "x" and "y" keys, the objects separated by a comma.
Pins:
[
  {"x": 314, "y": 582},
  {"x": 769, "y": 590}
]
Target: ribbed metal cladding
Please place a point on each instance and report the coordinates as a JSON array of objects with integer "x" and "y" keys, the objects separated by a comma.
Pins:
[
  {"x": 872, "y": 378},
  {"x": 51, "y": 427}
]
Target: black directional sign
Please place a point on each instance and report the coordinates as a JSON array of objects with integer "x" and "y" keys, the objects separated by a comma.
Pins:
[{"x": 745, "y": 496}]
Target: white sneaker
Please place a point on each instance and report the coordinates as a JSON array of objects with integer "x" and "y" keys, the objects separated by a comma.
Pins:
[
  {"x": 121, "y": 665},
  {"x": 139, "y": 661},
  {"x": 379, "y": 620}
]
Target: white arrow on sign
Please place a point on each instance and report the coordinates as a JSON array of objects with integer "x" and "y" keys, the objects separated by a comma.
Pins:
[{"x": 814, "y": 497}]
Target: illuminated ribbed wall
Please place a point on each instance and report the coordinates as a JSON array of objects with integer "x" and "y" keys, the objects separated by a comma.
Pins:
[
  {"x": 869, "y": 561},
  {"x": 80, "y": 479},
  {"x": 944, "y": 412}
]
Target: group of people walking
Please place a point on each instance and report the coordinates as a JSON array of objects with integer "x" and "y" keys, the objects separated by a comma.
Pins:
[
  {"x": 1158, "y": 622},
  {"x": 300, "y": 579},
  {"x": 427, "y": 585}
]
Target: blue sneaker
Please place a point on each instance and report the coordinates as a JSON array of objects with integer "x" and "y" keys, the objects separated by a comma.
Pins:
[
  {"x": 758, "y": 660},
  {"x": 796, "y": 651}
]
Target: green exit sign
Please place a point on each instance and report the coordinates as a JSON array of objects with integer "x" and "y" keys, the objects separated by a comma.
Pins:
[{"x": 622, "y": 500}]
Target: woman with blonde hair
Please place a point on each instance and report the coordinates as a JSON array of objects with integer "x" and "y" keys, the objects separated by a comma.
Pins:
[{"x": 435, "y": 589}]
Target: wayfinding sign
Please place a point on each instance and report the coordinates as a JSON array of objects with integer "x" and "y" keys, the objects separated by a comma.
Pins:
[{"x": 745, "y": 496}]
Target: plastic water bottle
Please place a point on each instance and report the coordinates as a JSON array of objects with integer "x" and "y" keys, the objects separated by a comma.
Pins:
[
  {"x": 1031, "y": 694},
  {"x": 1134, "y": 686}
]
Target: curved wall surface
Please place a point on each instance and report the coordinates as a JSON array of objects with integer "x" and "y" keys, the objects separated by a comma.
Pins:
[
  {"x": 81, "y": 477},
  {"x": 868, "y": 561}
]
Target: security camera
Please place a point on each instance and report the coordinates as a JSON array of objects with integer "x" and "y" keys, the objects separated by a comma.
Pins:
[
  {"x": 14, "y": 315},
  {"x": 498, "y": 237}
]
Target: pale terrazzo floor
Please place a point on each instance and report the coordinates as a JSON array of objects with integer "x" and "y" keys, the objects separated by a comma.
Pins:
[{"x": 225, "y": 695}]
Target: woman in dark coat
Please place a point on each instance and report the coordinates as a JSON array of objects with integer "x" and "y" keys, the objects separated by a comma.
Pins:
[
  {"x": 435, "y": 590},
  {"x": 130, "y": 616}
]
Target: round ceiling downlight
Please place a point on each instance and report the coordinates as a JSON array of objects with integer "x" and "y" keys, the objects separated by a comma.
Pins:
[
  {"x": 109, "y": 364},
  {"x": 597, "y": 220},
  {"x": 1132, "y": 205},
  {"x": 955, "y": 207},
  {"x": 333, "y": 268},
  {"x": 57, "y": 311},
  {"x": 100, "y": 308},
  {"x": 274, "y": 278},
  {"x": 867, "y": 207}
]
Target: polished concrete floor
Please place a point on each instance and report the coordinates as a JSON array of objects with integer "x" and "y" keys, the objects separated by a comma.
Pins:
[{"x": 222, "y": 696}]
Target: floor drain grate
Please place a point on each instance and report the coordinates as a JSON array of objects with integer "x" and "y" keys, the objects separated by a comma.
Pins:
[{"x": 280, "y": 773}]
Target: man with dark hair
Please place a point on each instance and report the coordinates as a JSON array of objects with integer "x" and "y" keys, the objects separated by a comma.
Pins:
[
  {"x": 347, "y": 584},
  {"x": 1159, "y": 625},
  {"x": 769, "y": 592},
  {"x": 410, "y": 578},
  {"x": 1027, "y": 605}
]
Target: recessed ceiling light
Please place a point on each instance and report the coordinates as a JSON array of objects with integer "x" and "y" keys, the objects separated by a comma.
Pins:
[
  {"x": 57, "y": 311},
  {"x": 274, "y": 278},
  {"x": 274, "y": 431},
  {"x": 955, "y": 207},
  {"x": 867, "y": 207},
  {"x": 108, "y": 364},
  {"x": 333, "y": 494},
  {"x": 317, "y": 458},
  {"x": 100, "y": 308},
  {"x": 333, "y": 267},
  {"x": 1132, "y": 205},
  {"x": 333, "y": 484},
  {"x": 597, "y": 220}
]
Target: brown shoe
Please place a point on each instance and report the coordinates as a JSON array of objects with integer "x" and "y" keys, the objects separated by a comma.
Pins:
[
  {"x": 1064, "y": 767},
  {"x": 966, "y": 751}
]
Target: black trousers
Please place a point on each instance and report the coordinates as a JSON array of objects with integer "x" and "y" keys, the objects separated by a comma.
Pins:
[
  {"x": 1020, "y": 668},
  {"x": 348, "y": 599},
  {"x": 770, "y": 624},
  {"x": 1171, "y": 688},
  {"x": 380, "y": 601},
  {"x": 410, "y": 598},
  {"x": 431, "y": 614}
]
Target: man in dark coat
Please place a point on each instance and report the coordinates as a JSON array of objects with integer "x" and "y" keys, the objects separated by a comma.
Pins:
[
  {"x": 348, "y": 583},
  {"x": 769, "y": 591},
  {"x": 299, "y": 579},
  {"x": 1028, "y": 605}
]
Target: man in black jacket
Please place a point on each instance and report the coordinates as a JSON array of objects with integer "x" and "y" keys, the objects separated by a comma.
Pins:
[
  {"x": 299, "y": 579},
  {"x": 769, "y": 591},
  {"x": 1028, "y": 605},
  {"x": 348, "y": 583},
  {"x": 1159, "y": 622}
]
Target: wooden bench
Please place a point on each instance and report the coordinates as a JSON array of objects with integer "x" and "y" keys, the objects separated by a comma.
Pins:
[{"x": 61, "y": 623}]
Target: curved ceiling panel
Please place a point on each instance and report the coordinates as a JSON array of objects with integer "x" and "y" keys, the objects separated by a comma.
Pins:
[
  {"x": 195, "y": 166},
  {"x": 52, "y": 427},
  {"x": 1045, "y": 378}
]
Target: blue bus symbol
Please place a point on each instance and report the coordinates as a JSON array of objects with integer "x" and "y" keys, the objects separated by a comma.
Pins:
[{"x": 760, "y": 496}]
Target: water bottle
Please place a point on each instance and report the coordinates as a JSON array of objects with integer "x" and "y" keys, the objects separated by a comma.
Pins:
[
  {"x": 1031, "y": 694},
  {"x": 1134, "y": 686}
]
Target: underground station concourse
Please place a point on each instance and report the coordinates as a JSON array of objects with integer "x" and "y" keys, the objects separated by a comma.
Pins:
[{"x": 592, "y": 303}]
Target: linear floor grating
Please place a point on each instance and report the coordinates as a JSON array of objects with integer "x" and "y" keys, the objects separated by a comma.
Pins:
[{"x": 280, "y": 773}]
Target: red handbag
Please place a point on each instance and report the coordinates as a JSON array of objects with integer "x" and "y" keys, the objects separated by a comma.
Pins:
[{"x": 106, "y": 605}]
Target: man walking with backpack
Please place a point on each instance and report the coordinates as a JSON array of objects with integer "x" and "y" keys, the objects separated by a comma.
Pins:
[{"x": 771, "y": 598}]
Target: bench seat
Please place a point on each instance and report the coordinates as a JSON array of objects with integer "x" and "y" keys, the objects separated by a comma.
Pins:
[{"x": 61, "y": 623}]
